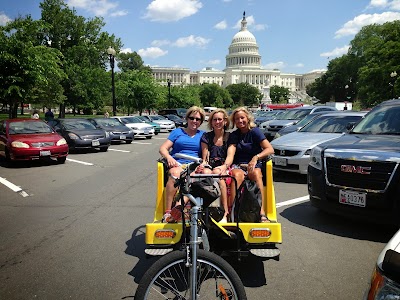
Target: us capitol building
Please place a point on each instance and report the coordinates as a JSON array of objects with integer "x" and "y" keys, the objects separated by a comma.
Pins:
[{"x": 243, "y": 64}]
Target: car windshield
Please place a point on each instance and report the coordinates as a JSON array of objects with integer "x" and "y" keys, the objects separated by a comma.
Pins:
[
  {"x": 293, "y": 114},
  {"x": 78, "y": 124},
  {"x": 382, "y": 120},
  {"x": 157, "y": 118},
  {"x": 306, "y": 119},
  {"x": 143, "y": 119},
  {"x": 127, "y": 120},
  {"x": 330, "y": 124},
  {"x": 108, "y": 122},
  {"x": 29, "y": 128},
  {"x": 174, "y": 117}
]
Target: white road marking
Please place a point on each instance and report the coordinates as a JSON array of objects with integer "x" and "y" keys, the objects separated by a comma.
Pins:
[
  {"x": 10, "y": 185},
  {"x": 126, "y": 151},
  {"x": 141, "y": 143},
  {"x": 13, "y": 187},
  {"x": 80, "y": 162},
  {"x": 293, "y": 201}
]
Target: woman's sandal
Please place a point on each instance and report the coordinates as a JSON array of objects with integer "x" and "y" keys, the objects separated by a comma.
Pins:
[
  {"x": 167, "y": 218},
  {"x": 264, "y": 219}
]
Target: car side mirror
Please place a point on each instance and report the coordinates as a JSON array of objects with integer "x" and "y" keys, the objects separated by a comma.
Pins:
[{"x": 350, "y": 126}]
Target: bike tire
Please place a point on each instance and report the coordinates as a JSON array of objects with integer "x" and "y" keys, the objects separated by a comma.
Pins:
[{"x": 168, "y": 278}]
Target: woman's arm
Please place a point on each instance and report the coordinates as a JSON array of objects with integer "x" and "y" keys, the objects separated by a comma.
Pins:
[
  {"x": 204, "y": 152},
  {"x": 267, "y": 150},
  {"x": 164, "y": 151}
]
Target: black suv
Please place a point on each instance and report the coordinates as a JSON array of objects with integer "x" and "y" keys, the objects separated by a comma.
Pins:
[{"x": 358, "y": 174}]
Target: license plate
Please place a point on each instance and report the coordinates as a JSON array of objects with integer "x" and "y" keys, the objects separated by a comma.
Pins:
[
  {"x": 95, "y": 143},
  {"x": 45, "y": 153},
  {"x": 146, "y": 132},
  {"x": 279, "y": 161},
  {"x": 352, "y": 198},
  {"x": 122, "y": 137}
]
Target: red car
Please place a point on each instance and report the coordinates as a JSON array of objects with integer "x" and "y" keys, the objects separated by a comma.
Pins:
[{"x": 30, "y": 139}]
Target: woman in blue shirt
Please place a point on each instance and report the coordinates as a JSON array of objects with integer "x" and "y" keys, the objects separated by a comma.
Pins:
[
  {"x": 247, "y": 145},
  {"x": 185, "y": 141}
]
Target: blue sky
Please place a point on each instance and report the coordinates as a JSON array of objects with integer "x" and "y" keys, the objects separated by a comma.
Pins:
[{"x": 295, "y": 36}]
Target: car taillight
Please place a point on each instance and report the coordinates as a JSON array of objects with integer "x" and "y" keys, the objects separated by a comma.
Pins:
[{"x": 382, "y": 288}]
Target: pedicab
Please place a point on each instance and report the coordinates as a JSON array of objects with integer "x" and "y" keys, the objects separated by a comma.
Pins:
[{"x": 233, "y": 238}]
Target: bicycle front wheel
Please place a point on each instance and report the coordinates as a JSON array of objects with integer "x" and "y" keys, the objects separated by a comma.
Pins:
[{"x": 169, "y": 278}]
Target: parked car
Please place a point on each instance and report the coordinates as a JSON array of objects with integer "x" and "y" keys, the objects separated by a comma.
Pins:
[
  {"x": 157, "y": 127},
  {"x": 30, "y": 139},
  {"x": 385, "y": 280},
  {"x": 296, "y": 126},
  {"x": 165, "y": 124},
  {"x": 179, "y": 122},
  {"x": 118, "y": 132},
  {"x": 292, "y": 151},
  {"x": 81, "y": 134},
  {"x": 139, "y": 128},
  {"x": 292, "y": 116},
  {"x": 358, "y": 174},
  {"x": 263, "y": 116},
  {"x": 181, "y": 112}
]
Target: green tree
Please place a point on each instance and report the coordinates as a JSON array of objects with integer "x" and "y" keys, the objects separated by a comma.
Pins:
[
  {"x": 83, "y": 45},
  {"x": 279, "y": 94},
  {"x": 131, "y": 61},
  {"x": 244, "y": 94},
  {"x": 214, "y": 95},
  {"x": 28, "y": 69}
]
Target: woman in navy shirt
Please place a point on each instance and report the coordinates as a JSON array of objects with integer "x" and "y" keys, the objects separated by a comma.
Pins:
[
  {"x": 247, "y": 145},
  {"x": 185, "y": 141}
]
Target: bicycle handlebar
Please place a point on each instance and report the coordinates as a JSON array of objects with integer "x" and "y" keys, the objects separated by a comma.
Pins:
[{"x": 197, "y": 160}]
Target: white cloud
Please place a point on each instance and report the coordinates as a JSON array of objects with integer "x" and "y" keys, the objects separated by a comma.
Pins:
[
  {"x": 336, "y": 52},
  {"x": 353, "y": 27},
  {"x": 126, "y": 50},
  {"x": 385, "y": 4},
  {"x": 159, "y": 43},
  {"x": 275, "y": 65},
  {"x": 191, "y": 40},
  {"x": 152, "y": 52},
  {"x": 251, "y": 24},
  {"x": 171, "y": 10},
  {"x": 221, "y": 25},
  {"x": 299, "y": 65},
  {"x": 4, "y": 19},
  {"x": 98, "y": 7}
]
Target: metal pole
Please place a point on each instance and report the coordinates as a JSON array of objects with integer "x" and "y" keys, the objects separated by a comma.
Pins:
[
  {"x": 169, "y": 93},
  {"x": 113, "y": 85}
]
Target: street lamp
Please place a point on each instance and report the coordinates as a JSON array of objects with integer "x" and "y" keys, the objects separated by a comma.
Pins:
[
  {"x": 111, "y": 53},
  {"x": 169, "y": 92},
  {"x": 393, "y": 75}
]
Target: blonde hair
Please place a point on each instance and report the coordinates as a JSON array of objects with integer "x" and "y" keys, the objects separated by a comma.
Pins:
[
  {"x": 250, "y": 118},
  {"x": 195, "y": 109},
  {"x": 211, "y": 116}
]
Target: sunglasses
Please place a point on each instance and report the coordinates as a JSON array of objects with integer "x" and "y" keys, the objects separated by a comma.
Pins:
[{"x": 193, "y": 118}]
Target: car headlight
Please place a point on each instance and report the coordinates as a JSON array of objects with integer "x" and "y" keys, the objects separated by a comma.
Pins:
[
  {"x": 134, "y": 128},
  {"x": 382, "y": 288},
  {"x": 61, "y": 142},
  {"x": 277, "y": 135},
  {"x": 308, "y": 152},
  {"x": 316, "y": 158},
  {"x": 18, "y": 144},
  {"x": 73, "y": 136}
]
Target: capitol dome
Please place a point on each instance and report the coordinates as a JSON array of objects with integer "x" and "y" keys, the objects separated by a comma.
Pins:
[{"x": 243, "y": 50}]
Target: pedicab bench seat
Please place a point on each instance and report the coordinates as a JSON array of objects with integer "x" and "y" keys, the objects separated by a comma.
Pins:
[{"x": 274, "y": 227}]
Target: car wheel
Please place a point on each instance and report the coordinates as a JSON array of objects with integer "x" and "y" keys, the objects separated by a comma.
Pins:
[
  {"x": 129, "y": 142},
  {"x": 9, "y": 162},
  {"x": 155, "y": 133},
  {"x": 149, "y": 137},
  {"x": 104, "y": 149},
  {"x": 61, "y": 160}
]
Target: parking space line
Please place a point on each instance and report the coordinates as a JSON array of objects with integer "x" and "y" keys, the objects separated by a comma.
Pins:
[
  {"x": 293, "y": 201},
  {"x": 80, "y": 162},
  {"x": 126, "y": 151},
  {"x": 141, "y": 143},
  {"x": 13, "y": 187}
]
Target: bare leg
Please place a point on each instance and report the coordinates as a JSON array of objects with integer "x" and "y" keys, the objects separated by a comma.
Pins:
[
  {"x": 256, "y": 176},
  {"x": 170, "y": 189}
]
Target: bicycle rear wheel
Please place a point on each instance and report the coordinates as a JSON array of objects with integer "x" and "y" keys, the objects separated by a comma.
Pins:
[{"x": 169, "y": 278}]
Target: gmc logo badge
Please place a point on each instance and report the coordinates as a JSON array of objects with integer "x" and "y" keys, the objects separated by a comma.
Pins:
[{"x": 355, "y": 169}]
